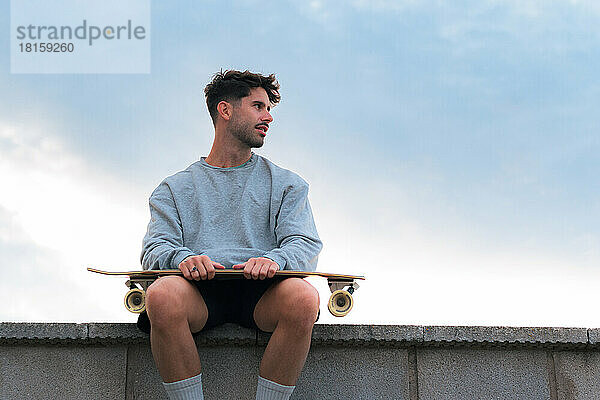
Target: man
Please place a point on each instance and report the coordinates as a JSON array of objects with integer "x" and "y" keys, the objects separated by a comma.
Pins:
[{"x": 232, "y": 209}]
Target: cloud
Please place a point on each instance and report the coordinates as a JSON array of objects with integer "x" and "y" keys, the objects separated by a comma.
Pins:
[
  {"x": 28, "y": 274},
  {"x": 386, "y": 5},
  {"x": 419, "y": 272},
  {"x": 526, "y": 8},
  {"x": 60, "y": 215},
  {"x": 59, "y": 199},
  {"x": 538, "y": 8}
]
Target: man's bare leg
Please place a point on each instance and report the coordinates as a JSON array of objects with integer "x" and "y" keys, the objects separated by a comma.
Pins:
[
  {"x": 288, "y": 309},
  {"x": 175, "y": 309}
]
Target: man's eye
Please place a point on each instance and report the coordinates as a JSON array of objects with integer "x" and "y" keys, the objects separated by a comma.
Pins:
[{"x": 257, "y": 106}]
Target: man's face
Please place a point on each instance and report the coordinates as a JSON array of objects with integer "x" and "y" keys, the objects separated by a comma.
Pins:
[{"x": 251, "y": 118}]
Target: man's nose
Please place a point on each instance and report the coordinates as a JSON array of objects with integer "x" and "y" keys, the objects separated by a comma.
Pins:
[{"x": 267, "y": 117}]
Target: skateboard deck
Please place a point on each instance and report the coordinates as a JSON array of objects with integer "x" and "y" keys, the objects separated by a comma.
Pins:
[{"x": 341, "y": 286}]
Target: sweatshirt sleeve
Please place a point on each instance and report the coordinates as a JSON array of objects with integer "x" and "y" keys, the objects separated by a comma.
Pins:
[
  {"x": 297, "y": 239},
  {"x": 162, "y": 247}
]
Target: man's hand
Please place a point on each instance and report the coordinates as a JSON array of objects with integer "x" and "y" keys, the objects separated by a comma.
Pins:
[
  {"x": 199, "y": 268},
  {"x": 258, "y": 268}
]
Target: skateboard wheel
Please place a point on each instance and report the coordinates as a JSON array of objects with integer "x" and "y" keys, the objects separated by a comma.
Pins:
[
  {"x": 340, "y": 303},
  {"x": 135, "y": 301}
]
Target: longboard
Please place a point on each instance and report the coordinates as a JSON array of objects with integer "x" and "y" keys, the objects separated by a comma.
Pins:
[{"x": 339, "y": 305}]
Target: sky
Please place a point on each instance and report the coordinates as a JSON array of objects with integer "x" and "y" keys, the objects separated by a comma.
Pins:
[{"x": 451, "y": 150}]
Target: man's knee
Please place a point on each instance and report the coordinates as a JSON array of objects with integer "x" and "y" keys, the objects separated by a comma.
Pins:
[
  {"x": 165, "y": 301},
  {"x": 301, "y": 303}
]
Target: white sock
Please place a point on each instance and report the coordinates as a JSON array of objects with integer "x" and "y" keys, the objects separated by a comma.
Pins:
[
  {"x": 186, "y": 389},
  {"x": 269, "y": 390}
]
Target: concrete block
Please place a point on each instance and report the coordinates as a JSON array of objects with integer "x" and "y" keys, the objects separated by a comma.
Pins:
[
  {"x": 505, "y": 335},
  {"x": 333, "y": 373},
  {"x": 373, "y": 335},
  {"x": 231, "y": 334},
  {"x": 62, "y": 372},
  {"x": 143, "y": 380},
  {"x": 594, "y": 336},
  {"x": 577, "y": 375},
  {"x": 122, "y": 332},
  {"x": 227, "y": 373},
  {"x": 482, "y": 374},
  {"x": 329, "y": 373},
  {"x": 41, "y": 332},
  {"x": 361, "y": 335},
  {"x": 230, "y": 372}
]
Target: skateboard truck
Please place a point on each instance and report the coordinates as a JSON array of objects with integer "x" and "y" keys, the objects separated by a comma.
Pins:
[
  {"x": 135, "y": 298},
  {"x": 340, "y": 301}
]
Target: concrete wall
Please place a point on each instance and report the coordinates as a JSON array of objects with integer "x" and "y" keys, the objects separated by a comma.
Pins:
[{"x": 113, "y": 361}]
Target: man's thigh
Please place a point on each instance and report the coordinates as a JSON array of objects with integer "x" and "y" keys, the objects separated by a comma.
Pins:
[{"x": 286, "y": 298}]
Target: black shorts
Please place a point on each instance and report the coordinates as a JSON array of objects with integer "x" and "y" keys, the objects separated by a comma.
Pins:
[{"x": 227, "y": 301}]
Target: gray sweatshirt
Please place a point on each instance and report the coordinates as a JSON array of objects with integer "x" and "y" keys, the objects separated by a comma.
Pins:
[{"x": 232, "y": 214}]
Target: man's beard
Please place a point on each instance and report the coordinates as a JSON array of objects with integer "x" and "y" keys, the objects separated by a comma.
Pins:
[{"x": 246, "y": 134}]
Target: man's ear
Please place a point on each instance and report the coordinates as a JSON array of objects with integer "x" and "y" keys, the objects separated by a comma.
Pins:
[{"x": 225, "y": 110}]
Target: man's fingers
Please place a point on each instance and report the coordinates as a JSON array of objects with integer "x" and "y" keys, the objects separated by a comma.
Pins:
[
  {"x": 199, "y": 267},
  {"x": 256, "y": 270},
  {"x": 218, "y": 266},
  {"x": 249, "y": 269},
  {"x": 195, "y": 273},
  {"x": 195, "y": 267},
  {"x": 268, "y": 269},
  {"x": 210, "y": 271},
  {"x": 188, "y": 267},
  {"x": 204, "y": 268},
  {"x": 263, "y": 272},
  {"x": 189, "y": 270},
  {"x": 185, "y": 271}
]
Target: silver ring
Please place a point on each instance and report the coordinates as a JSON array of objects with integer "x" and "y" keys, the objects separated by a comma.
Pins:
[{"x": 194, "y": 269}]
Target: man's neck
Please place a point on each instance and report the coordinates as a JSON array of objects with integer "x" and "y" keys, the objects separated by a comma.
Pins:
[
  {"x": 227, "y": 155},
  {"x": 226, "y": 160}
]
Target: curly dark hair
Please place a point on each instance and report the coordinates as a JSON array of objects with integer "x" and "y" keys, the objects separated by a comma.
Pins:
[{"x": 232, "y": 85}]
